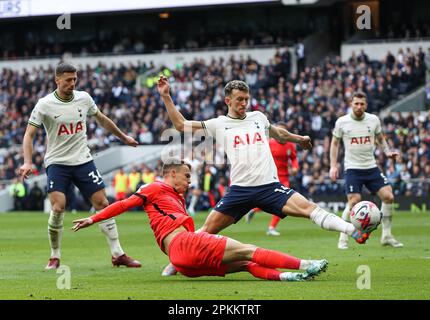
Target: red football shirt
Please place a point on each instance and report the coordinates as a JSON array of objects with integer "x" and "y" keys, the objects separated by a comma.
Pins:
[
  {"x": 164, "y": 206},
  {"x": 281, "y": 153}
]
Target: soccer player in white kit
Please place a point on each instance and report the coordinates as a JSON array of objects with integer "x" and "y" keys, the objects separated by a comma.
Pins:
[
  {"x": 254, "y": 178},
  {"x": 194, "y": 186},
  {"x": 63, "y": 114},
  {"x": 359, "y": 131}
]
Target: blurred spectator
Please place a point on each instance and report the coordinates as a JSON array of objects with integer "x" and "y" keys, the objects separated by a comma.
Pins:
[
  {"x": 148, "y": 176},
  {"x": 301, "y": 55},
  {"x": 18, "y": 192},
  {"x": 133, "y": 180},
  {"x": 309, "y": 102},
  {"x": 120, "y": 183},
  {"x": 36, "y": 198}
]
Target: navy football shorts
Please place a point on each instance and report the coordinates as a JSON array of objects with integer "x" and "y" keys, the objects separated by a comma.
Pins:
[
  {"x": 270, "y": 198},
  {"x": 372, "y": 178},
  {"x": 84, "y": 176}
]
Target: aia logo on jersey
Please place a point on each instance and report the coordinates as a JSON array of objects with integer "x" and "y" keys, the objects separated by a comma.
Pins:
[
  {"x": 247, "y": 140},
  {"x": 361, "y": 140},
  {"x": 70, "y": 128}
]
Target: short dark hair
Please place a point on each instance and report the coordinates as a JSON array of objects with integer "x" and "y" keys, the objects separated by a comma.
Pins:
[
  {"x": 173, "y": 164},
  {"x": 359, "y": 95},
  {"x": 63, "y": 67},
  {"x": 235, "y": 84}
]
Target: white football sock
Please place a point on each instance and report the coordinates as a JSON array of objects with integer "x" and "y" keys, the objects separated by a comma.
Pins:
[
  {"x": 304, "y": 264},
  {"x": 387, "y": 218},
  {"x": 330, "y": 221},
  {"x": 345, "y": 216},
  {"x": 109, "y": 229},
  {"x": 55, "y": 232},
  {"x": 193, "y": 202},
  {"x": 345, "y": 213}
]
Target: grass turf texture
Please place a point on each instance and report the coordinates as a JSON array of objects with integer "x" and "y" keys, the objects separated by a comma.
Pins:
[{"x": 402, "y": 273}]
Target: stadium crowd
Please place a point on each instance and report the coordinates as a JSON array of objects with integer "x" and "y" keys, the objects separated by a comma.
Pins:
[
  {"x": 130, "y": 41},
  {"x": 309, "y": 101}
]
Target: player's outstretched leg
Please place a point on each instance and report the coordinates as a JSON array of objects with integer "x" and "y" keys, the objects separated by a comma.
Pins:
[
  {"x": 263, "y": 263},
  {"x": 119, "y": 258},
  {"x": 332, "y": 222},
  {"x": 265, "y": 273},
  {"x": 299, "y": 206},
  {"x": 109, "y": 229}
]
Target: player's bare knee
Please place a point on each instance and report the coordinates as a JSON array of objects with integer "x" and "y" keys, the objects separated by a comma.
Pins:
[
  {"x": 100, "y": 204},
  {"x": 58, "y": 208},
  {"x": 248, "y": 251},
  {"x": 211, "y": 228},
  {"x": 244, "y": 252},
  {"x": 388, "y": 198},
  {"x": 204, "y": 228},
  {"x": 353, "y": 201},
  {"x": 307, "y": 208}
]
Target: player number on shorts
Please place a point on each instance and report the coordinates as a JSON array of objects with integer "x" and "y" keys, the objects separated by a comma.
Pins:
[
  {"x": 97, "y": 178},
  {"x": 385, "y": 178}
]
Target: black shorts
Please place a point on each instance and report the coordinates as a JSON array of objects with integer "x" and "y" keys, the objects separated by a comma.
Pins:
[
  {"x": 270, "y": 198},
  {"x": 84, "y": 176},
  {"x": 372, "y": 178}
]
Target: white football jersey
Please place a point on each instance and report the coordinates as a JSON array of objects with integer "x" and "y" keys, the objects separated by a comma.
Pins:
[
  {"x": 65, "y": 125},
  {"x": 358, "y": 138},
  {"x": 246, "y": 144}
]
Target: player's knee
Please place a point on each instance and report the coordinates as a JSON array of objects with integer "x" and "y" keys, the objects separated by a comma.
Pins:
[
  {"x": 353, "y": 201},
  {"x": 310, "y": 206},
  {"x": 388, "y": 198},
  {"x": 248, "y": 251},
  {"x": 209, "y": 228},
  {"x": 244, "y": 252},
  {"x": 58, "y": 208},
  {"x": 100, "y": 204}
]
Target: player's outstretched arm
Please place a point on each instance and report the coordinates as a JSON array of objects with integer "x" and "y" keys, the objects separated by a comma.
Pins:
[
  {"x": 334, "y": 150},
  {"x": 110, "y": 126},
  {"x": 382, "y": 143},
  {"x": 110, "y": 211},
  {"x": 282, "y": 135},
  {"x": 178, "y": 120},
  {"x": 26, "y": 169}
]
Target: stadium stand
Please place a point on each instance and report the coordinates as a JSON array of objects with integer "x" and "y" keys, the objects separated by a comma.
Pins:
[{"x": 309, "y": 101}]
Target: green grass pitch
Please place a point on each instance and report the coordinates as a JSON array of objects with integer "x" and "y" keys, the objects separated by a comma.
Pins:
[{"x": 394, "y": 273}]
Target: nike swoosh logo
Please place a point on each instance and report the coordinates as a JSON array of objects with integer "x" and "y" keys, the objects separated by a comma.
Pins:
[{"x": 55, "y": 117}]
